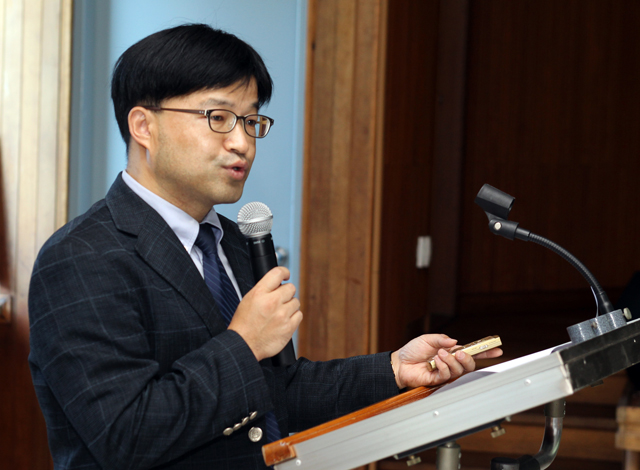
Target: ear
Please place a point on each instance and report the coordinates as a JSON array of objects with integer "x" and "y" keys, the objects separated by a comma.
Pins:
[{"x": 141, "y": 123}]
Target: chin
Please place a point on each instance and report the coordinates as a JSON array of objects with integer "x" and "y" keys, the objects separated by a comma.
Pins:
[{"x": 231, "y": 199}]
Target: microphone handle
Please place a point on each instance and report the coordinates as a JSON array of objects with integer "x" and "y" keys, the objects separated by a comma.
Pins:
[{"x": 263, "y": 260}]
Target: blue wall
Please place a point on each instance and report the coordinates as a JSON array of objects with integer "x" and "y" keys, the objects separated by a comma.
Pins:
[{"x": 276, "y": 29}]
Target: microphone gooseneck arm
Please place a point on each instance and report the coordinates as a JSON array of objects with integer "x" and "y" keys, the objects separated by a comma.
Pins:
[
  {"x": 604, "y": 304},
  {"x": 510, "y": 230}
]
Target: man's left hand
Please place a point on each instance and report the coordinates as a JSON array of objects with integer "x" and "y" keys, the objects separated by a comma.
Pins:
[{"x": 410, "y": 362}]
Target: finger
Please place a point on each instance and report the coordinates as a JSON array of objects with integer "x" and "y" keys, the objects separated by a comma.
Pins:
[
  {"x": 443, "y": 367},
  {"x": 455, "y": 366},
  {"x": 497, "y": 352},
  {"x": 292, "y": 306},
  {"x": 466, "y": 361},
  {"x": 287, "y": 292},
  {"x": 274, "y": 278},
  {"x": 297, "y": 318},
  {"x": 292, "y": 324}
]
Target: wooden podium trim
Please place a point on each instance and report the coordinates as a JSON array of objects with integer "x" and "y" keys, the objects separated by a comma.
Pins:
[{"x": 284, "y": 449}]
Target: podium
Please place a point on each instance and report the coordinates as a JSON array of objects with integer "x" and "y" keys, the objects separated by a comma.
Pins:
[{"x": 427, "y": 417}]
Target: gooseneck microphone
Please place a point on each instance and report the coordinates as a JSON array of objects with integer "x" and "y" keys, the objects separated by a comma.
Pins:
[
  {"x": 497, "y": 205},
  {"x": 255, "y": 221}
]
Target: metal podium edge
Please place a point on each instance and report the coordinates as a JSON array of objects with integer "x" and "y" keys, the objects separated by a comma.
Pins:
[
  {"x": 450, "y": 411},
  {"x": 471, "y": 402}
]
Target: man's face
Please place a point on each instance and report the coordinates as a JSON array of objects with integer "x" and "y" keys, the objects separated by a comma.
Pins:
[{"x": 193, "y": 167}]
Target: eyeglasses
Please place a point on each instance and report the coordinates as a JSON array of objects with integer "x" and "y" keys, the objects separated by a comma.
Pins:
[{"x": 224, "y": 121}]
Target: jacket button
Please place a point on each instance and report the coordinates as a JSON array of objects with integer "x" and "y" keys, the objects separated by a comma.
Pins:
[
  {"x": 237, "y": 426},
  {"x": 245, "y": 421},
  {"x": 228, "y": 431},
  {"x": 255, "y": 434},
  {"x": 253, "y": 415}
]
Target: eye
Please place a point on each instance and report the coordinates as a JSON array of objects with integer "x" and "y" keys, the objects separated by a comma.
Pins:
[{"x": 217, "y": 117}]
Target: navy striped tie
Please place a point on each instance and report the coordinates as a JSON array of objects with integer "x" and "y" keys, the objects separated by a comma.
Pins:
[
  {"x": 215, "y": 276},
  {"x": 225, "y": 295}
]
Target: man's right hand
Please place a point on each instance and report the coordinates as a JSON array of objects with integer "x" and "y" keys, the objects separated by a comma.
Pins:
[{"x": 268, "y": 315}]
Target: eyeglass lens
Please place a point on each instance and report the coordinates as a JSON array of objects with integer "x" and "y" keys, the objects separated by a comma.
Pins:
[{"x": 224, "y": 121}]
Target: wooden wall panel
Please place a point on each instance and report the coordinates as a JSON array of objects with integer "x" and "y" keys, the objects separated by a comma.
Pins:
[
  {"x": 553, "y": 118},
  {"x": 446, "y": 176},
  {"x": 35, "y": 65},
  {"x": 338, "y": 228},
  {"x": 545, "y": 105}
]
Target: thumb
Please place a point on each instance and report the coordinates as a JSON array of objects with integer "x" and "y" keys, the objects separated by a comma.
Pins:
[{"x": 439, "y": 341}]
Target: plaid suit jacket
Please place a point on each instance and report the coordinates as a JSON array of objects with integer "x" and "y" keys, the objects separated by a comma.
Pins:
[{"x": 133, "y": 365}]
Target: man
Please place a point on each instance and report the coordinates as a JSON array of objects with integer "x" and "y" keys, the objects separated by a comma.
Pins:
[{"x": 142, "y": 353}]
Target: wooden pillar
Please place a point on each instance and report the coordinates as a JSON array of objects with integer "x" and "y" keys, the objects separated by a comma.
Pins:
[
  {"x": 35, "y": 71},
  {"x": 341, "y": 177}
]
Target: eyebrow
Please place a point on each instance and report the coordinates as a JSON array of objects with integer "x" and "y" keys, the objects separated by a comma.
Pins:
[
  {"x": 216, "y": 102},
  {"x": 221, "y": 102}
]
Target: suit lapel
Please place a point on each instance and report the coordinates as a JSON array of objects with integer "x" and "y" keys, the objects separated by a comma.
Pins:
[{"x": 161, "y": 249}]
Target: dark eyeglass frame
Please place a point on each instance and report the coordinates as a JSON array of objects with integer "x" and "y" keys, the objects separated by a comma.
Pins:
[{"x": 207, "y": 114}]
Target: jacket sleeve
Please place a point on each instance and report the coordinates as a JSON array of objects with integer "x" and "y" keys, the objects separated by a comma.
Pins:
[
  {"x": 95, "y": 367},
  {"x": 318, "y": 392}
]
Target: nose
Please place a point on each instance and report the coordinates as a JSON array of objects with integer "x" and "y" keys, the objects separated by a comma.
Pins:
[{"x": 237, "y": 140}]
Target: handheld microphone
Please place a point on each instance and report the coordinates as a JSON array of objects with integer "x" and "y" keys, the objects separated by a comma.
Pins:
[{"x": 255, "y": 222}]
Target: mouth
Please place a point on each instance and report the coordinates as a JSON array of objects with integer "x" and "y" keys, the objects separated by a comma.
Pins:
[{"x": 237, "y": 170}]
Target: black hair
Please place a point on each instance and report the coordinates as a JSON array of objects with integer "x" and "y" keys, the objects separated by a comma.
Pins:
[{"x": 182, "y": 60}]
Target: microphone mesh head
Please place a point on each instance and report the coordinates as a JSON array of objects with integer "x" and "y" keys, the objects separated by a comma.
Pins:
[{"x": 255, "y": 219}]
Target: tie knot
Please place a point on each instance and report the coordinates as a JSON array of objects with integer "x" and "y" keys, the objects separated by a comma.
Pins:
[{"x": 206, "y": 239}]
